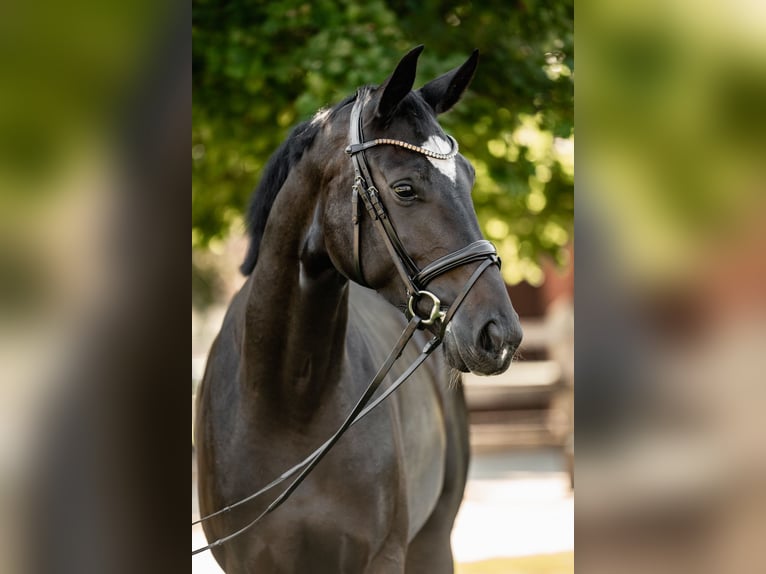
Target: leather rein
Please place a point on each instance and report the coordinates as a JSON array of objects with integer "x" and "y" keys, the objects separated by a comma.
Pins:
[{"x": 415, "y": 281}]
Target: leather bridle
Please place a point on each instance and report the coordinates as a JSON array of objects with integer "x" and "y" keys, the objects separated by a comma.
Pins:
[{"x": 415, "y": 281}]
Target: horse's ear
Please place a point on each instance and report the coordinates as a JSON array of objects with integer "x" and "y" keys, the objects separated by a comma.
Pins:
[
  {"x": 444, "y": 92},
  {"x": 398, "y": 84}
]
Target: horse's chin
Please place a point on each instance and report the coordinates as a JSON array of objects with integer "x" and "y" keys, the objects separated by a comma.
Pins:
[
  {"x": 454, "y": 359},
  {"x": 465, "y": 359}
]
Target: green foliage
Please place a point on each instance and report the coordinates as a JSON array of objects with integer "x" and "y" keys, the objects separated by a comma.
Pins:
[{"x": 260, "y": 67}]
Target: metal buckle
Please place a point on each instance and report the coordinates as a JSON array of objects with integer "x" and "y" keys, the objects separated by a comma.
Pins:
[{"x": 436, "y": 311}]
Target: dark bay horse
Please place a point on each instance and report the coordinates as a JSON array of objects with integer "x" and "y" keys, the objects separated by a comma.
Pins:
[{"x": 302, "y": 338}]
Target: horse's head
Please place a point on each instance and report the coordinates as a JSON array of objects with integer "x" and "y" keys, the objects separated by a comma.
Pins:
[{"x": 428, "y": 202}]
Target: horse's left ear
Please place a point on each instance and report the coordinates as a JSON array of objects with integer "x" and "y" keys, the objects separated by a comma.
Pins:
[{"x": 444, "y": 92}]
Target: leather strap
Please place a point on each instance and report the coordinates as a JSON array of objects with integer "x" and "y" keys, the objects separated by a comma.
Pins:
[
  {"x": 363, "y": 182},
  {"x": 466, "y": 288},
  {"x": 404, "y": 265},
  {"x": 356, "y": 220},
  {"x": 476, "y": 251}
]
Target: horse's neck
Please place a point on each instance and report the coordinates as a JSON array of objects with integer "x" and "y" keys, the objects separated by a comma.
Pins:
[{"x": 296, "y": 308}]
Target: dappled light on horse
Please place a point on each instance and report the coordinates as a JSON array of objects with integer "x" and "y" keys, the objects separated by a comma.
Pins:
[{"x": 365, "y": 256}]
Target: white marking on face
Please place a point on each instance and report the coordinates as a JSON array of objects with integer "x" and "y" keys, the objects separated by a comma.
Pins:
[
  {"x": 504, "y": 354},
  {"x": 440, "y": 145},
  {"x": 321, "y": 116}
]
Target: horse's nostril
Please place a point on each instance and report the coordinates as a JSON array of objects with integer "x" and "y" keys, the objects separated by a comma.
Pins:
[{"x": 491, "y": 338}]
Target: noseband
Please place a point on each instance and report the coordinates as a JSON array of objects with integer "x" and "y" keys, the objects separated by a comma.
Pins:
[{"x": 415, "y": 280}]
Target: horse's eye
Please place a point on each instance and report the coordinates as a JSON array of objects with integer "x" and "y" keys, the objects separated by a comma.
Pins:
[{"x": 404, "y": 191}]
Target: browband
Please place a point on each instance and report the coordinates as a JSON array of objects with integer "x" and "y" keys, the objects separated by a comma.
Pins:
[{"x": 356, "y": 148}]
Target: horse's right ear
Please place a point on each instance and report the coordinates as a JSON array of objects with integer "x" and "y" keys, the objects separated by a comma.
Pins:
[
  {"x": 398, "y": 84},
  {"x": 444, "y": 92}
]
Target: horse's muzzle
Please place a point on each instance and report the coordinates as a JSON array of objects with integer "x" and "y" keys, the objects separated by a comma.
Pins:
[{"x": 488, "y": 350}]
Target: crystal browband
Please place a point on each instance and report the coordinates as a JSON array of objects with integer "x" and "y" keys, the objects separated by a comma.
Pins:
[{"x": 356, "y": 148}]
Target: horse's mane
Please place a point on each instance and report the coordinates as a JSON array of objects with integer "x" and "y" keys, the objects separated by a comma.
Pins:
[{"x": 288, "y": 154}]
